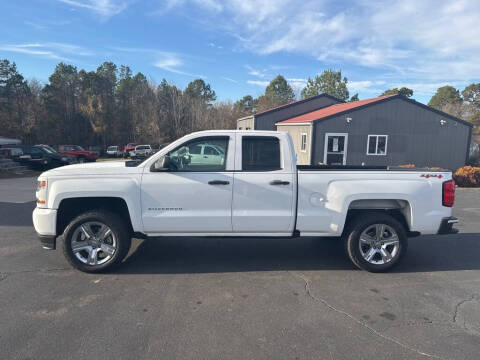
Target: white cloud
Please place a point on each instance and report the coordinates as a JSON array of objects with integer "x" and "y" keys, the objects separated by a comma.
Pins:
[
  {"x": 52, "y": 50},
  {"x": 210, "y": 4},
  {"x": 426, "y": 88},
  {"x": 215, "y": 46},
  {"x": 165, "y": 60},
  {"x": 297, "y": 84},
  {"x": 230, "y": 79},
  {"x": 258, "y": 82},
  {"x": 429, "y": 41},
  {"x": 256, "y": 72},
  {"x": 35, "y": 25},
  {"x": 104, "y": 8},
  {"x": 366, "y": 86}
]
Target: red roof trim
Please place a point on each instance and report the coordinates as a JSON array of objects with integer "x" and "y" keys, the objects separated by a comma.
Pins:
[{"x": 332, "y": 110}]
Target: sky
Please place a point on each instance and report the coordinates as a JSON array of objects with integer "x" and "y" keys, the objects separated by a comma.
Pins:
[{"x": 238, "y": 46}]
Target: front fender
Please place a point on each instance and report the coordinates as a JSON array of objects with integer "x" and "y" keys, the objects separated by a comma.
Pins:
[{"x": 126, "y": 188}]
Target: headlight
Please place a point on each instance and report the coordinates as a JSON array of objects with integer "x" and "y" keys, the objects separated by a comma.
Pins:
[
  {"x": 41, "y": 184},
  {"x": 41, "y": 193},
  {"x": 64, "y": 158}
]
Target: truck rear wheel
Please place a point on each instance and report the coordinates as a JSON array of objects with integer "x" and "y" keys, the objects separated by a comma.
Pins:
[
  {"x": 375, "y": 242},
  {"x": 96, "y": 241}
]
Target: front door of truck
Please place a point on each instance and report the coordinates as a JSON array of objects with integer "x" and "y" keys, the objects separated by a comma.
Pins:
[
  {"x": 263, "y": 195},
  {"x": 193, "y": 196}
]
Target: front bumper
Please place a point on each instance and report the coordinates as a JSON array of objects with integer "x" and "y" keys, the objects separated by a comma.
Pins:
[
  {"x": 45, "y": 224},
  {"x": 49, "y": 242},
  {"x": 446, "y": 226}
]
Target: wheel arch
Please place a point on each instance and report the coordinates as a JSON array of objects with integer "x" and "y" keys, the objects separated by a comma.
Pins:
[
  {"x": 69, "y": 208},
  {"x": 400, "y": 209}
]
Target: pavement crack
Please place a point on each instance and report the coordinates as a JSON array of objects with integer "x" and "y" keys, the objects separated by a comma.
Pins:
[
  {"x": 359, "y": 322},
  {"x": 460, "y": 303}
]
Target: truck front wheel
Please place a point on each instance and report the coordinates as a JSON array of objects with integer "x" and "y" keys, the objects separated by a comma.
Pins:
[
  {"x": 375, "y": 242},
  {"x": 96, "y": 241}
]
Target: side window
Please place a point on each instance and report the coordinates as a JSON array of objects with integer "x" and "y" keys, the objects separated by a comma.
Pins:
[
  {"x": 181, "y": 158},
  {"x": 260, "y": 153},
  {"x": 210, "y": 151},
  {"x": 196, "y": 149},
  {"x": 304, "y": 142},
  {"x": 377, "y": 145}
]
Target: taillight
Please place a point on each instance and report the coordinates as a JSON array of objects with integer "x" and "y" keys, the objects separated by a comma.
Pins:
[{"x": 448, "y": 193}]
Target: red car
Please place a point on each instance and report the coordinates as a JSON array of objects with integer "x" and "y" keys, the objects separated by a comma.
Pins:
[
  {"x": 129, "y": 147},
  {"x": 78, "y": 152}
]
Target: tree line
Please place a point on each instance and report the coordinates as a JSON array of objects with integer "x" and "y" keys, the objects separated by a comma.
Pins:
[
  {"x": 113, "y": 106},
  {"x": 109, "y": 106}
]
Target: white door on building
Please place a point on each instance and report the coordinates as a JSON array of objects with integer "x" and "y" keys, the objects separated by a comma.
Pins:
[{"x": 335, "y": 150}]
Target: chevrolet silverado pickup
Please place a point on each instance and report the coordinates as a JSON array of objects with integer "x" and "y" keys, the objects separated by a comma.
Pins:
[{"x": 238, "y": 183}]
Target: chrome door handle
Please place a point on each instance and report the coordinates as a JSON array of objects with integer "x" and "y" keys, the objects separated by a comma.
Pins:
[
  {"x": 279, "y": 182},
  {"x": 218, "y": 182}
]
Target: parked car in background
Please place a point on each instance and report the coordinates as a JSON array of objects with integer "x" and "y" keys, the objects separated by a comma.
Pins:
[
  {"x": 114, "y": 151},
  {"x": 128, "y": 148},
  {"x": 44, "y": 157},
  {"x": 78, "y": 152},
  {"x": 141, "y": 152},
  {"x": 12, "y": 153}
]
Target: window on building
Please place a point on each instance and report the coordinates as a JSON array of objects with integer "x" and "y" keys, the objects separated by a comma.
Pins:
[
  {"x": 303, "y": 146},
  {"x": 377, "y": 145},
  {"x": 260, "y": 153}
]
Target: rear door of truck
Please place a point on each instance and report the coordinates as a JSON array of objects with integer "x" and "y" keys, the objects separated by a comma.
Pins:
[{"x": 264, "y": 185}]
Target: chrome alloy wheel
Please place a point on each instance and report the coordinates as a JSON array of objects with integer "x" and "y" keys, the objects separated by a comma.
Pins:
[
  {"x": 379, "y": 244},
  {"x": 93, "y": 243}
]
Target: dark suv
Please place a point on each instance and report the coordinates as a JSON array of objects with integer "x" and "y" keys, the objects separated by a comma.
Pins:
[{"x": 44, "y": 157}]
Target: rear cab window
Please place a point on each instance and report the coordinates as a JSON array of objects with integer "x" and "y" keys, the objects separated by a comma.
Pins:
[{"x": 261, "y": 153}]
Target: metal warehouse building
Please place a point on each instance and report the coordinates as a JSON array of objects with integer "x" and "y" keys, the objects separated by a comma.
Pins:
[
  {"x": 266, "y": 120},
  {"x": 387, "y": 130}
]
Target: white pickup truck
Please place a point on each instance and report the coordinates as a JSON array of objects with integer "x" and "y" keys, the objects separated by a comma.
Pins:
[{"x": 246, "y": 184}]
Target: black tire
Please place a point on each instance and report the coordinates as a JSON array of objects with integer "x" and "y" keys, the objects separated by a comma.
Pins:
[
  {"x": 81, "y": 159},
  {"x": 361, "y": 223},
  {"x": 119, "y": 230}
]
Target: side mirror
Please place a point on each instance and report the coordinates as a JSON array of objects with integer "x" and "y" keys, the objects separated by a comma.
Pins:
[{"x": 162, "y": 164}]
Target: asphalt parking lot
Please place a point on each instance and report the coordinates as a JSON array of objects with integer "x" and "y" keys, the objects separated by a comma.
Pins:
[{"x": 238, "y": 298}]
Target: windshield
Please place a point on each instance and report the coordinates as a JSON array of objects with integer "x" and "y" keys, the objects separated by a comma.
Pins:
[
  {"x": 111, "y": 148},
  {"x": 77, "y": 148},
  {"x": 39, "y": 149},
  {"x": 142, "y": 147},
  {"x": 49, "y": 149}
]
